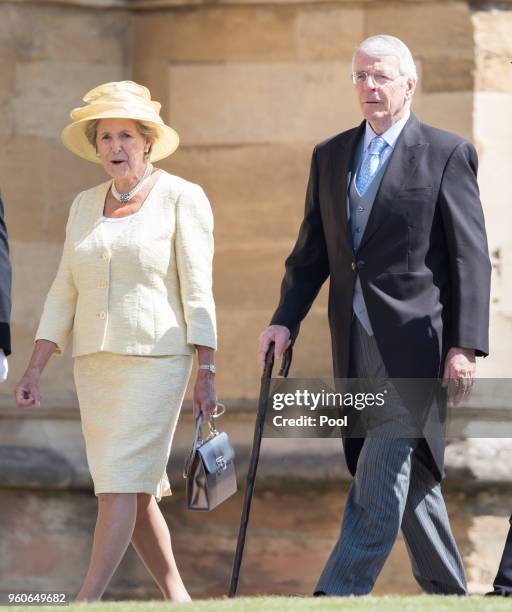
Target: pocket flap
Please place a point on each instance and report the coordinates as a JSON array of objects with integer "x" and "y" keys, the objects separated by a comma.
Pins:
[{"x": 416, "y": 192}]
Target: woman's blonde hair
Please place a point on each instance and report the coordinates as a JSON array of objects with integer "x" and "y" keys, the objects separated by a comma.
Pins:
[{"x": 147, "y": 131}]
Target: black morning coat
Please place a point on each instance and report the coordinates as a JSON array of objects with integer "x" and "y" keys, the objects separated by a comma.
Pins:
[
  {"x": 5, "y": 286},
  {"x": 423, "y": 260}
]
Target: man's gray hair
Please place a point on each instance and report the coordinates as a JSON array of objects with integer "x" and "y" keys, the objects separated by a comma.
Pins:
[{"x": 383, "y": 44}]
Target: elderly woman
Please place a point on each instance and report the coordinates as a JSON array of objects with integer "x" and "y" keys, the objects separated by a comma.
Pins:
[{"x": 134, "y": 285}]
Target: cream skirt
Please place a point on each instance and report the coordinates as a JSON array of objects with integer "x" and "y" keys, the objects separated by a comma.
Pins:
[{"x": 129, "y": 406}]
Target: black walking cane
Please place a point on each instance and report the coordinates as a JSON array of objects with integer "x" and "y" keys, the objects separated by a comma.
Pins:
[{"x": 266, "y": 378}]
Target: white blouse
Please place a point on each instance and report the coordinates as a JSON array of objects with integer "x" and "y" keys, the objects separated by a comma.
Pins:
[{"x": 112, "y": 228}]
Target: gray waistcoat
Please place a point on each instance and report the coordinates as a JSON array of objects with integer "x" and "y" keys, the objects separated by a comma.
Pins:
[{"x": 359, "y": 208}]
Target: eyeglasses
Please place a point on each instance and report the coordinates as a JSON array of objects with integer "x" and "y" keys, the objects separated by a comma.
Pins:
[{"x": 358, "y": 78}]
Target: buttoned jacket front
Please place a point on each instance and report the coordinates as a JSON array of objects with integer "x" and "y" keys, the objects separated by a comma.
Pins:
[{"x": 150, "y": 291}]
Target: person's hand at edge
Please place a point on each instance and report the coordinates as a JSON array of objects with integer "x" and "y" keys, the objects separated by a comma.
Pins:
[{"x": 280, "y": 335}]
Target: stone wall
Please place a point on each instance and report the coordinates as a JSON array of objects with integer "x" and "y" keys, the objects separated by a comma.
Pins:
[
  {"x": 290, "y": 536},
  {"x": 51, "y": 55},
  {"x": 251, "y": 89},
  {"x": 492, "y": 135}
]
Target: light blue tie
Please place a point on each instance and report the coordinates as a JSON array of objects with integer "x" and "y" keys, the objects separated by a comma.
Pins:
[{"x": 370, "y": 164}]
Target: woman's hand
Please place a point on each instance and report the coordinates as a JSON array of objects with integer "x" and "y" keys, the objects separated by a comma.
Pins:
[
  {"x": 27, "y": 390},
  {"x": 205, "y": 396}
]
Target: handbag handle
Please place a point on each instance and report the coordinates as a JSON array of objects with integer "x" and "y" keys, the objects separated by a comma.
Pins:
[
  {"x": 220, "y": 410},
  {"x": 197, "y": 436},
  {"x": 195, "y": 446},
  {"x": 197, "y": 442}
]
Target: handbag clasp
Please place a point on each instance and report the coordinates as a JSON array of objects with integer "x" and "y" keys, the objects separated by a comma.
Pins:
[{"x": 221, "y": 462}]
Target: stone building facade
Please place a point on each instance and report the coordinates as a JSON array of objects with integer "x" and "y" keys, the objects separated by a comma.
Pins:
[{"x": 250, "y": 87}]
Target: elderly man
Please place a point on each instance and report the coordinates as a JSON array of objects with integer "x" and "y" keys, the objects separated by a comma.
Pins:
[{"x": 393, "y": 218}]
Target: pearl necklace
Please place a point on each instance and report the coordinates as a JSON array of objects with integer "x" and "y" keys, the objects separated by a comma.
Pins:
[{"x": 125, "y": 197}]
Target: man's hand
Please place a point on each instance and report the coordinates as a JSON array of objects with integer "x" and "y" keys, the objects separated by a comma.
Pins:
[
  {"x": 275, "y": 333},
  {"x": 459, "y": 372}
]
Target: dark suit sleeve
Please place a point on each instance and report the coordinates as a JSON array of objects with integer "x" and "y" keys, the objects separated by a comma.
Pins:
[
  {"x": 5, "y": 286},
  {"x": 470, "y": 267},
  {"x": 307, "y": 266}
]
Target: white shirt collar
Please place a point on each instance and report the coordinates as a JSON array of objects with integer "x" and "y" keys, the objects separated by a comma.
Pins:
[{"x": 390, "y": 136}]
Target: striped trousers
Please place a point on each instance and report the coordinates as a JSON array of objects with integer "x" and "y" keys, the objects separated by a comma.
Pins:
[{"x": 391, "y": 489}]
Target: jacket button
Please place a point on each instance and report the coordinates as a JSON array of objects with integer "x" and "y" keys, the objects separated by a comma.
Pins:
[
  {"x": 360, "y": 264},
  {"x": 103, "y": 284},
  {"x": 104, "y": 256},
  {"x": 353, "y": 265},
  {"x": 102, "y": 314}
]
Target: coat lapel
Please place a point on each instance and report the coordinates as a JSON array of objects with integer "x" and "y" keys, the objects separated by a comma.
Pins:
[
  {"x": 404, "y": 159},
  {"x": 96, "y": 216},
  {"x": 341, "y": 164}
]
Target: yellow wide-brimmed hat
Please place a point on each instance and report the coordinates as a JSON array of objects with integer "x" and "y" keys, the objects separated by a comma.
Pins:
[{"x": 118, "y": 100}]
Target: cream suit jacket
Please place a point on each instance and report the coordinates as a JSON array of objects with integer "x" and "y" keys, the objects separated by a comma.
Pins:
[{"x": 150, "y": 292}]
